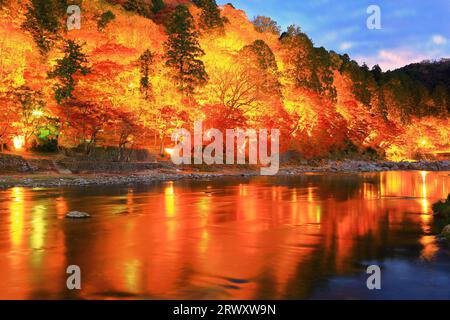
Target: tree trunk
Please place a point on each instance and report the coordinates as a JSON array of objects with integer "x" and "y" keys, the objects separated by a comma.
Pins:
[
  {"x": 161, "y": 147},
  {"x": 121, "y": 152}
]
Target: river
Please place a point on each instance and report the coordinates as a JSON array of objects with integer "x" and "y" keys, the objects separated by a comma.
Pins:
[{"x": 304, "y": 237}]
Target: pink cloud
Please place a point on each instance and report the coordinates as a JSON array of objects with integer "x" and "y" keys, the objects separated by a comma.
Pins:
[{"x": 392, "y": 59}]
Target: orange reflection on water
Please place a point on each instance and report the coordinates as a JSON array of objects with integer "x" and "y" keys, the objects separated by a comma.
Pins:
[
  {"x": 262, "y": 238},
  {"x": 16, "y": 209},
  {"x": 25, "y": 261},
  {"x": 430, "y": 247}
]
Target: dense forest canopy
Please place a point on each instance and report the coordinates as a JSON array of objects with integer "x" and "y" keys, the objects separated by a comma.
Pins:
[{"x": 138, "y": 69}]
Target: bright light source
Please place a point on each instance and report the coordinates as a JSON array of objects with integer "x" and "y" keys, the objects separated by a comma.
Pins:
[
  {"x": 169, "y": 151},
  {"x": 37, "y": 113},
  {"x": 19, "y": 142}
]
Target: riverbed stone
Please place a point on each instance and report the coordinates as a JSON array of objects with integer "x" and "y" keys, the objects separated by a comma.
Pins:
[
  {"x": 446, "y": 231},
  {"x": 77, "y": 215}
]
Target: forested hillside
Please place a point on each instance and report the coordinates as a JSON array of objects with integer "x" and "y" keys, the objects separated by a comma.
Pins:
[{"x": 137, "y": 69}]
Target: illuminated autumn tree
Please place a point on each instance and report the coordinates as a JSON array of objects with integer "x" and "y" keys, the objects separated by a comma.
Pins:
[
  {"x": 31, "y": 112},
  {"x": 9, "y": 114},
  {"x": 82, "y": 116},
  {"x": 165, "y": 120},
  {"x": 246, "y": 91},
  {"x": 234, "y": 92},
  {"x": 128, "y": 129},
  {"x": 86, "y": 120},
  {"x": 95, "y": 107},
  {"x": 183, "y": 51},
  {"x": 73, "y": 63},
  {"x": 124, "y": 130}
]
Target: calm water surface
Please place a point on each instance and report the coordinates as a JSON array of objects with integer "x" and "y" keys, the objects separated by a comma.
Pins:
[{"x": 309, "y": 237}]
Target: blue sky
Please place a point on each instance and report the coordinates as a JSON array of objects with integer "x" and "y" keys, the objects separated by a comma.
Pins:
[{"x": 412, "y": 30}]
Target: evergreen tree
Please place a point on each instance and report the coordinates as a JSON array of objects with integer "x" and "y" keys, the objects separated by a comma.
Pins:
[
  {"x": 210, "y": 17},
  {"x": 402, "y": 90},
  {"x": 299, "y": 56},
  {"x": 145, "y": 62},
  {"x": 183, "y": 51},
  {"x": 267, "y": 63},
  {"x": 132, "y": 5},
  {"x": 105, "y": 18},
  {"x": 441, "y": 99},
  {"x": 157, "y": 6},
  {"x": 62, "y": 5},
  {"x": 323, "y": 78},
  {"x": 382, "y": 109},
  {"x": 42, "y": 22},
  {"x": 308, "y": 67},
  {"x": 141, "y": 7},
  {"x": 361, "y": 78},
  {"x": 266, "y": 58},
  {"x": 377, "y": 73},
  {"x": 73, "y": 61}
]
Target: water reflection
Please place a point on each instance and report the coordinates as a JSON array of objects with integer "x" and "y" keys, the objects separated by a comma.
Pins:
[
  {"x": 229, "y": 239},
  {"x": 16, "y": 209}
]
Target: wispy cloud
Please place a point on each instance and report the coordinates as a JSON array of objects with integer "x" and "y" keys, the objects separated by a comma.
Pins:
[
  {"x": 345, "y": 46},
  {"x": 438, "y": 39}
]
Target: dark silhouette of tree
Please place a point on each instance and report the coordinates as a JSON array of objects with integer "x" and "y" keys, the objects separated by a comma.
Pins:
[
  {"x": 267, "y": 63},
  {"x": 42, "y": 22},
  {"x": 210, "y": 17},
  {"x": 105, "y": 18},
  {"x": 141, "y": 7},
  {"x": 308, "y": 67},
  {"x": 73, "y": 62},
  {"x": 157, "y": 6},
  {"x": 183, "y": 51},
  {"x": 145, "y": 63},
  {"x": 441, "y": 99}
]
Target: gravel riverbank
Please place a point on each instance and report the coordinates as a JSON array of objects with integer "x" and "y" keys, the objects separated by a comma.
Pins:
[{"x": 173, "y": 174}]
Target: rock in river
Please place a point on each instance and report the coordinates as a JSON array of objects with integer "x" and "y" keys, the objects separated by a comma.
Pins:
[
  {"x": 77, "y": 215},
  {"x": 446, "y": 231}
]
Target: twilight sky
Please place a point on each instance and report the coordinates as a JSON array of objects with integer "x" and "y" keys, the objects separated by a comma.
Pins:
[{"x": 412, "y": 30}]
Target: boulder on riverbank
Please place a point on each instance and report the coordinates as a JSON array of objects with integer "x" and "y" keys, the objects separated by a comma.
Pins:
[{"x": 77, "y": 215}]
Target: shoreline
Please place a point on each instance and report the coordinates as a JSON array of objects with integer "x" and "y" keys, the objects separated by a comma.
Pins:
[{"x": 55, "y": 180}]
